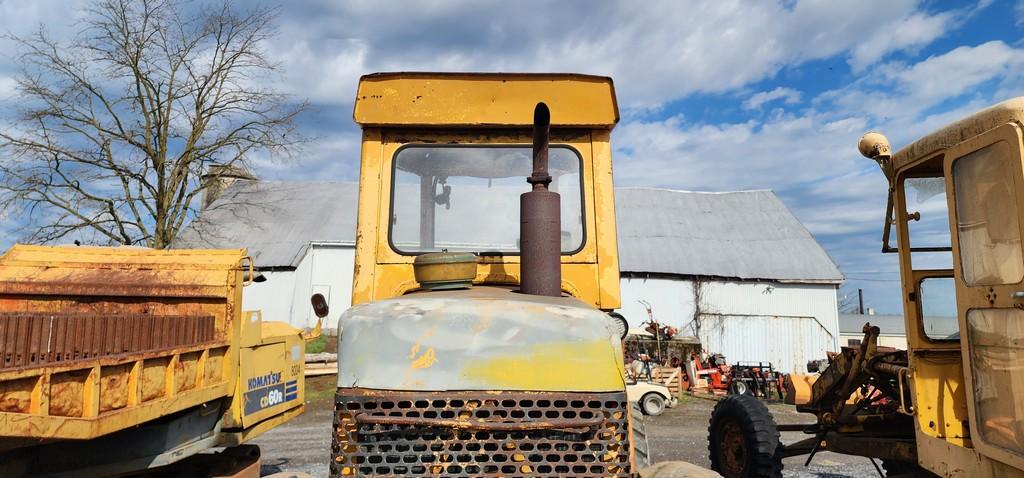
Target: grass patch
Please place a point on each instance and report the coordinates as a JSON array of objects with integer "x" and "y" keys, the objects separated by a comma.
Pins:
[
  {"x": 317, "y": 390},
  {"x": 317, "y": 345}
]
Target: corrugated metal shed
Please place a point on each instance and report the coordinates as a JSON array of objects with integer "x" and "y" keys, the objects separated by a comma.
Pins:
[
  {"x": 788, "y": 343},
  {"x": 276, "y": 221},
  {"x": 744, "y": 235}
]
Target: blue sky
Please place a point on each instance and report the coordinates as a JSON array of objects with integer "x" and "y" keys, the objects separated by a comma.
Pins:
[{"x": 716, "y": 95}]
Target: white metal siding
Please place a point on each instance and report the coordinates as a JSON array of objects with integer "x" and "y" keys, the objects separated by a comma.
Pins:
[
  {"x": 800, "y": 304},
  {"x": 324, "y": 267},
  {"x": 284, "y": 296},
  {"x": 894, "y": 341},
  {"x": 787, "y": 342},
  {"x": 272, "y": 297}
]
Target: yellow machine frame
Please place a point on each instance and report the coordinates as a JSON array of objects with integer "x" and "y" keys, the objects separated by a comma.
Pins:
[{"x": 941, "y": 372}]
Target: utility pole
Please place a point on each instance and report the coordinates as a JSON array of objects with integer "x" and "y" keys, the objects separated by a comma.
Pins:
[{"x": 860, "y": 300}]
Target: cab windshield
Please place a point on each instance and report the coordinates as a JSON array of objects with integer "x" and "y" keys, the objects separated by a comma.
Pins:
[{"x": 466, "y": 197}]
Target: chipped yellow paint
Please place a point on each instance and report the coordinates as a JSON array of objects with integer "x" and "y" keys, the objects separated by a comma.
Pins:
[
  {"x": 553, "y": 367},
  {"x": 428, "y": 359}
]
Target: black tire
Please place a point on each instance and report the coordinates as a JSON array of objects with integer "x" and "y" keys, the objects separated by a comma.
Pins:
[
  {"x": 743, "y": 439},
  {"x": 739, "y": 387},
  {"x": 652, "y": 404}
]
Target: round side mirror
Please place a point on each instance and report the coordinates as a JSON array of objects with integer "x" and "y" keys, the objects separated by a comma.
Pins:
[{"x": 319, "y": 305}]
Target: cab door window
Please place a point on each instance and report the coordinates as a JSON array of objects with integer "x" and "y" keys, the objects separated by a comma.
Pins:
[{"x": 987, "y": 225}]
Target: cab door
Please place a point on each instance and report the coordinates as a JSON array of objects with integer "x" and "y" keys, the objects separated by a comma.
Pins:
[{"x": 986, "y": 177}]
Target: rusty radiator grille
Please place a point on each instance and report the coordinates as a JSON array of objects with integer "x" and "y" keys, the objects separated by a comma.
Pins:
[
  {"x": 470, "y": 434},
  {"x": 32, "y": 339}
]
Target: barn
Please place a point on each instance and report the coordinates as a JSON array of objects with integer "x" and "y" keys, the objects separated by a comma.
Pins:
[{"x": 736, "y": 269}]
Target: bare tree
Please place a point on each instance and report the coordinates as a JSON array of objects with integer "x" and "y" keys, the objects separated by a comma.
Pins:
[{"x": 115, "y": 128}]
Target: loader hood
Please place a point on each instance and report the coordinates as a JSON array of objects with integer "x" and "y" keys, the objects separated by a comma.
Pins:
[{"x": 484, "y": 338}]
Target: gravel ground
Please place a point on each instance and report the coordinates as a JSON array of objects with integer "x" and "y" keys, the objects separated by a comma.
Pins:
[
  {"x": 681, "y": 433},
  {"x": 304, "y": 444}
]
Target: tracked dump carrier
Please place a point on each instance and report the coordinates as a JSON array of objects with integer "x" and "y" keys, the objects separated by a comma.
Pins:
[{"x": 114, "y": 360}]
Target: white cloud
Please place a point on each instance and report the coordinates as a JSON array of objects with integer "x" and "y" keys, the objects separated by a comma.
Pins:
[
  {"x": 916, "y": 30},
  {"x": 8, "y": 87},
  {"x": 20, "y": 17},
  {"x": 784, "y": 152},
  {"x": 788, "y": 95},
  {"x": 658, "y": 53},
  {"x": 959, "y": 70},
  {"x": 898, "y": 90}
]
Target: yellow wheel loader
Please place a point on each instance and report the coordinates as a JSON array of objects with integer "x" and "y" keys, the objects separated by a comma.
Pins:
[
  {"x": 952, "y": 404},
  {"x": 479, "y": 342}
]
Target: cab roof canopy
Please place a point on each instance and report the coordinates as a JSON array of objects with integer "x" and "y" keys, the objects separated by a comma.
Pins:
[
  {"x": 1009, "y": 111},
  {"x": 484, "y": 100}
]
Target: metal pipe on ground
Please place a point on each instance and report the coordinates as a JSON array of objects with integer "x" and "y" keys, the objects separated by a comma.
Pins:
[{"x": 540, "y": 218}]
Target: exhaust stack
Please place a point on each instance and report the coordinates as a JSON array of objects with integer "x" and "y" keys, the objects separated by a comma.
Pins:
[{"x": 540, "y": 219}]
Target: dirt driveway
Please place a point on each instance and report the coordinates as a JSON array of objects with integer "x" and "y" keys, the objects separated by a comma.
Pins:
[{"x": 304, "y": 444}]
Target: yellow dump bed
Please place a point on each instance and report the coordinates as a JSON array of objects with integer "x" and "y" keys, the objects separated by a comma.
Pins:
[{"x": 95, "y": 340}]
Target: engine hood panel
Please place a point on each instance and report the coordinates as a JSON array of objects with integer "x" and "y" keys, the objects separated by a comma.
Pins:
[{"x": 479, "y": 339}]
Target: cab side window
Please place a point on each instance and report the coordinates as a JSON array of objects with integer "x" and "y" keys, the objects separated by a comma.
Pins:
[{"x": 938, "y": 308}]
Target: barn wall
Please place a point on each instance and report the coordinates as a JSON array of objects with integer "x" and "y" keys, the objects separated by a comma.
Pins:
[
  {"x": 326, "y": 268},
  {"x": 671, "y": 300},
  {"x": 272, "y": 297},
  {"x": 743, "y": 320}
]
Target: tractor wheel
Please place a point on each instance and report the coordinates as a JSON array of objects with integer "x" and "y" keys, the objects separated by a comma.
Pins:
[
  {"x": 743, "y": 440},
  {"x": 739, "y": 387},
  {"x": 652, "y": 404}
]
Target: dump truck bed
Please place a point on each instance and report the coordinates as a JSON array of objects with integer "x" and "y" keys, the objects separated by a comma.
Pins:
[{"x": 96, "y": 340}]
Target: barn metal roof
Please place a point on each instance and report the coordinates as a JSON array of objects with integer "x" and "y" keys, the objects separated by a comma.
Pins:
[
  {"x": 276, "y": 221},
  {"x": 743, "y": 235}
]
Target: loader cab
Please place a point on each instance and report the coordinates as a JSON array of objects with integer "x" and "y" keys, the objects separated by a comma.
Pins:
[
  {"x": 954, "y": 218},
  {"x": 444, "y": 160}
]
